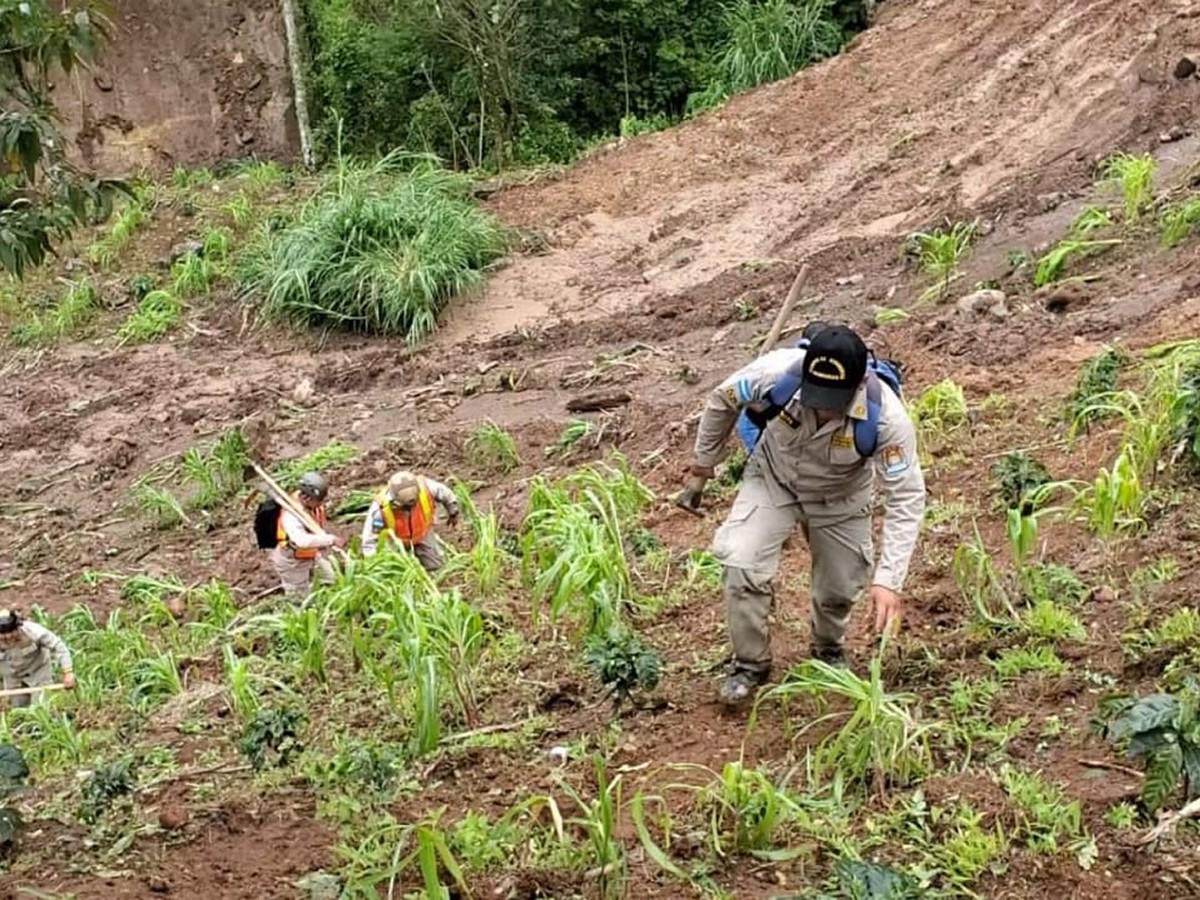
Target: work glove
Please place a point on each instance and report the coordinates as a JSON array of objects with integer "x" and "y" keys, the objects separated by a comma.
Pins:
[
  {"x": 693, "y": 489},
  {"x": 452, "y": 518}
]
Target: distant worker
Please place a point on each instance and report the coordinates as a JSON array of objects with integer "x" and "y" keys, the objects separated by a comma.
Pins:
[
  {"x": 404, "y": 511},
  {"x": 27, "y": 651},
  {"x": 298, "y": 551},
  {"x": 825, "y": 421}
]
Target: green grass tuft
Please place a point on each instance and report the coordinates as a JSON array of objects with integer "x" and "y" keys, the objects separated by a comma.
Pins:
[
  {"x": 1134, "y": 177},
  {"x": 376, "y": 250},
  {"x": 156, "y": 314}
]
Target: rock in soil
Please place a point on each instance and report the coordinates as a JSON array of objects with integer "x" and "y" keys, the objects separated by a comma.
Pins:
[
  {"x": 1185, "y": 68},
  {"x": 986, "y": 302},
  {"x": 158, "y": 885},
  {"x": 172, "y": 818},
  {"x": 184, "y": 249}
]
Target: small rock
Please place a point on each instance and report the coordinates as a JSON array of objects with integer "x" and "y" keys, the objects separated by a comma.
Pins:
[
  {"x": 1048, "y": 202},
  {"x": 1060, "y": 299},
  {"x": 102, "y": 82},
  {"x": 176, "y": 606},
  {"x": 719, "y": 336},
  {"x": 184, "y": 249},
  {"x": 1185, "y": 68},
  {"x": 998, "y": 310},
  {"x": 980, "y": 302},
  {"x": 303, "y": 392},
  {"x": 560, "y": 754},
  {"x": 1173, "y": 134},
  {"x": 320, "y": 886},
  {"x": 1104, "y": 594},
  {"x": 158, "y": 885},
  {"x": 856, "y": 278},
  {"x": 172, "y": 818}
]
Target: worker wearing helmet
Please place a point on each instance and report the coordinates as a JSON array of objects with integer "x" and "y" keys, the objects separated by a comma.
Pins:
[
  {"x": 404, "y": 511},
  {"x": 27, "y": 652},
  {"x": 299, "y": 551}
]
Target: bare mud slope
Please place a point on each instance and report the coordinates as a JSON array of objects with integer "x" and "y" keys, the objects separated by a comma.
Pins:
[{"x": 658, "y": 263}]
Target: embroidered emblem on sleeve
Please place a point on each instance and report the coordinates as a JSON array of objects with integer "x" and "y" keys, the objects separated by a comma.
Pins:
[{"x": 895, "y": 462}]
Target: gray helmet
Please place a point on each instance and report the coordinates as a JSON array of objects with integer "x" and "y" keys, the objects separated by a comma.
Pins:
[{"x": 314, "y": 485}]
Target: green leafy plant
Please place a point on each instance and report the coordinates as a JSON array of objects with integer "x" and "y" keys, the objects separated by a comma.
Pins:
[
  {"x": 192, "y": 275},
  {"x": 940, "y": 252},
  {"x": 623, "y": 664},
  {"x": 1115, "y": 502},
  {"x": 1091, "y": 399},
  {"x": 13, "y": 772},
  {"x": 104, "y": 251},
  {"x": 1051, "y": 266},
  {"x": 881, "y": 739},
  {"x": 1134, "y": 176},
  {"x": 981, "y": 584},
  {"x": 891, "y": 316},
  {"x": 938, "y": 412},
  {"x": 217, "y": 243},
  {"x": 1121, "y": 816},
  {"x": 156, "y": 314},
  {"x": 106, "y": 784},
  {"x": 493, "y": 449},
  {"x": 635, "y": 126},
  {"x": 576, "y": 431},
  {"x": 76, "y": 308},
  {"x": 240, "y": 210},
  {"x": 1048, "y": 621},
  {"x": 1179, "y": 220},
  {"x": 273, "y": 737},
  {"x": 328, "y": 458},
  {"x": 1046, "y": 819},
  {"x": 159, "y": 505},
  {"x": 377, "y": 250},
  {"x": 1017, "y": 661},
  {"x": 1018, "y": 478}
]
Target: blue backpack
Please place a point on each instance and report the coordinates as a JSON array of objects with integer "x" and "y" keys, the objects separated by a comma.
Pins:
[{"x": 752, "y": 423}]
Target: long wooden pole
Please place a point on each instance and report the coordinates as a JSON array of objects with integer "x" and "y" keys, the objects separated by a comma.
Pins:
[
  {"x": 281, "y": 497},
  {"x": 785, "y": 311},
  {"x": 19, "y": 692},
  {"x": 299, "y": 91}
]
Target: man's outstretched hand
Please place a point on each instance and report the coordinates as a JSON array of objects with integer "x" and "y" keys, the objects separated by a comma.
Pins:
[
  {"x": 693, "y": 490},
  {"x": 885, "y": 610}
]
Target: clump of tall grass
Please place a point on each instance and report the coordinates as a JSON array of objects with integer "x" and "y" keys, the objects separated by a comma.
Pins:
[
  {"x": 770, "y": 40},
  {"x": 376, "y": 249},
  {"x": 76, "y": 308},
  {"x": 1134, "y": 177},
  {"x": 156, "y": 314}
]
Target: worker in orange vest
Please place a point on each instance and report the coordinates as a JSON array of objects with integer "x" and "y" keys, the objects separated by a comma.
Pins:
[
  {"x": 298, "y": 551},
  {"x": 404, "y": 511}
]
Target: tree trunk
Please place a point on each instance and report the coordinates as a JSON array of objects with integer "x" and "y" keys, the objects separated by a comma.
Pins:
[{"x": 298, "y": 87}]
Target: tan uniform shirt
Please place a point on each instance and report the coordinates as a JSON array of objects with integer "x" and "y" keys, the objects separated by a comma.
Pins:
[
  {"x": 810, "y": 463},
  {"x": 35, "y": 649}
]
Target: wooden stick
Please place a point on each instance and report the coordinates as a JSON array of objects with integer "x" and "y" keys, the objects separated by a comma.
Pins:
[
  {"x": 281, "y": 497},
  {"x": 786, "y": 310},
  {"x": 20, "y": 692},
  {"x": 1116, "y": 767}
]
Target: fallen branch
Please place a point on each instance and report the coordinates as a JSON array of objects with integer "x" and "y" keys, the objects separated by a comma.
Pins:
[
  {"x": 1168, "y": 822},
  {"x": 1116, "y": 767},
  {"x": 597, "y": 402}
]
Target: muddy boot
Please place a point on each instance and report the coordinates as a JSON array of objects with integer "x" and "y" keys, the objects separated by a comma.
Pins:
[
  {"x": 739, "y": 686},
  {"x": 834, "y": 656}
]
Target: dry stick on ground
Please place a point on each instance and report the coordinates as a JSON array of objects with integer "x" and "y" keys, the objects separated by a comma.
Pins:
[
  {"x": 597, "y": 402},
  {"x": 1116, "y": 767},
  {"x": 1169, "y": 821}
]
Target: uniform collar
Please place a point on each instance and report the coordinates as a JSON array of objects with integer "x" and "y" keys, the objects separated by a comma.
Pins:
[{"x": 858, "y": 408}]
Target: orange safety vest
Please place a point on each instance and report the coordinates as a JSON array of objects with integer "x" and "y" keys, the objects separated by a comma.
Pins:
[
  {"x": 281, "y": 536},
  {"x": 413, "y": 527}
]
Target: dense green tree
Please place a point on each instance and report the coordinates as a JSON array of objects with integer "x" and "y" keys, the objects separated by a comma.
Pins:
[{"x": 43, "y": 197}]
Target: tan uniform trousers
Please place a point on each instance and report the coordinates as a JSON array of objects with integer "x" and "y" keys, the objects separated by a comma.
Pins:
[
  {"x": 296, "y": 574},
  {"x": 749, "y": 545},
  {"x": 43, "y": 674}
]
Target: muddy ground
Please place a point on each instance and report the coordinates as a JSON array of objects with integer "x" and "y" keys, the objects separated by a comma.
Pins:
[{"x": 945, "y": 109}]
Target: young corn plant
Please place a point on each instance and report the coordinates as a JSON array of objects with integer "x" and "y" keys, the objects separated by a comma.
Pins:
[
  {"x": 239, "y": 682},
  {"x": 492, "y": 449},
  {"x": 240, "y": 210},
  {"x": 1115, "y": 502},
  {"x": 158, "y": 505},
  {"x": 1091, "y": 219},
  {"x": 598, "y": 818},
  {"x": 487, "y": 558},
  {"x": 1052, "y": 266},
  {"x": 52, "y": 738},
  {"x": 575, "y": 432},
  {"x": 105, "y": 251},
  {"x": 1179, "y": 220},
  {"x": 939, "y": 254},
  {"x": 938, "y": 412},
  {"x": 881, "y": 740},
  {"x": 155, "y": 678},
  {"x": 216, "y": 473},
  {"x": 981, "y": 584},
  {"x": 1133, "y": 176}
]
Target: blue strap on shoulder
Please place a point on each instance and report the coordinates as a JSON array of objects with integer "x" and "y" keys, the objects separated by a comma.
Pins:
[{"x": 866, "y": 431}]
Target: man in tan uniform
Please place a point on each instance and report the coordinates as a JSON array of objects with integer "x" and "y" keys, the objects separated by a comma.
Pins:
[
  {"x": 27, "y": 654},
  {"x": 404, "y": 511},
  {"x": 807, "y": 469}
]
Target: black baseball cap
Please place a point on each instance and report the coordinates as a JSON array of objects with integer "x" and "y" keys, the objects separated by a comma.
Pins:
[{"x": 834, "y": 366}]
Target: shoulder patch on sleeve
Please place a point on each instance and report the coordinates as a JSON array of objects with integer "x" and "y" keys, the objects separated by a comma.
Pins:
[
  {"x": 894, "y": 460},
  {"x": 730, "y": 395}
]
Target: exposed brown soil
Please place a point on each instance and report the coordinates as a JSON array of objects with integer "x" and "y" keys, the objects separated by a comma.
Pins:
[{"x": 944, "y": 109}]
